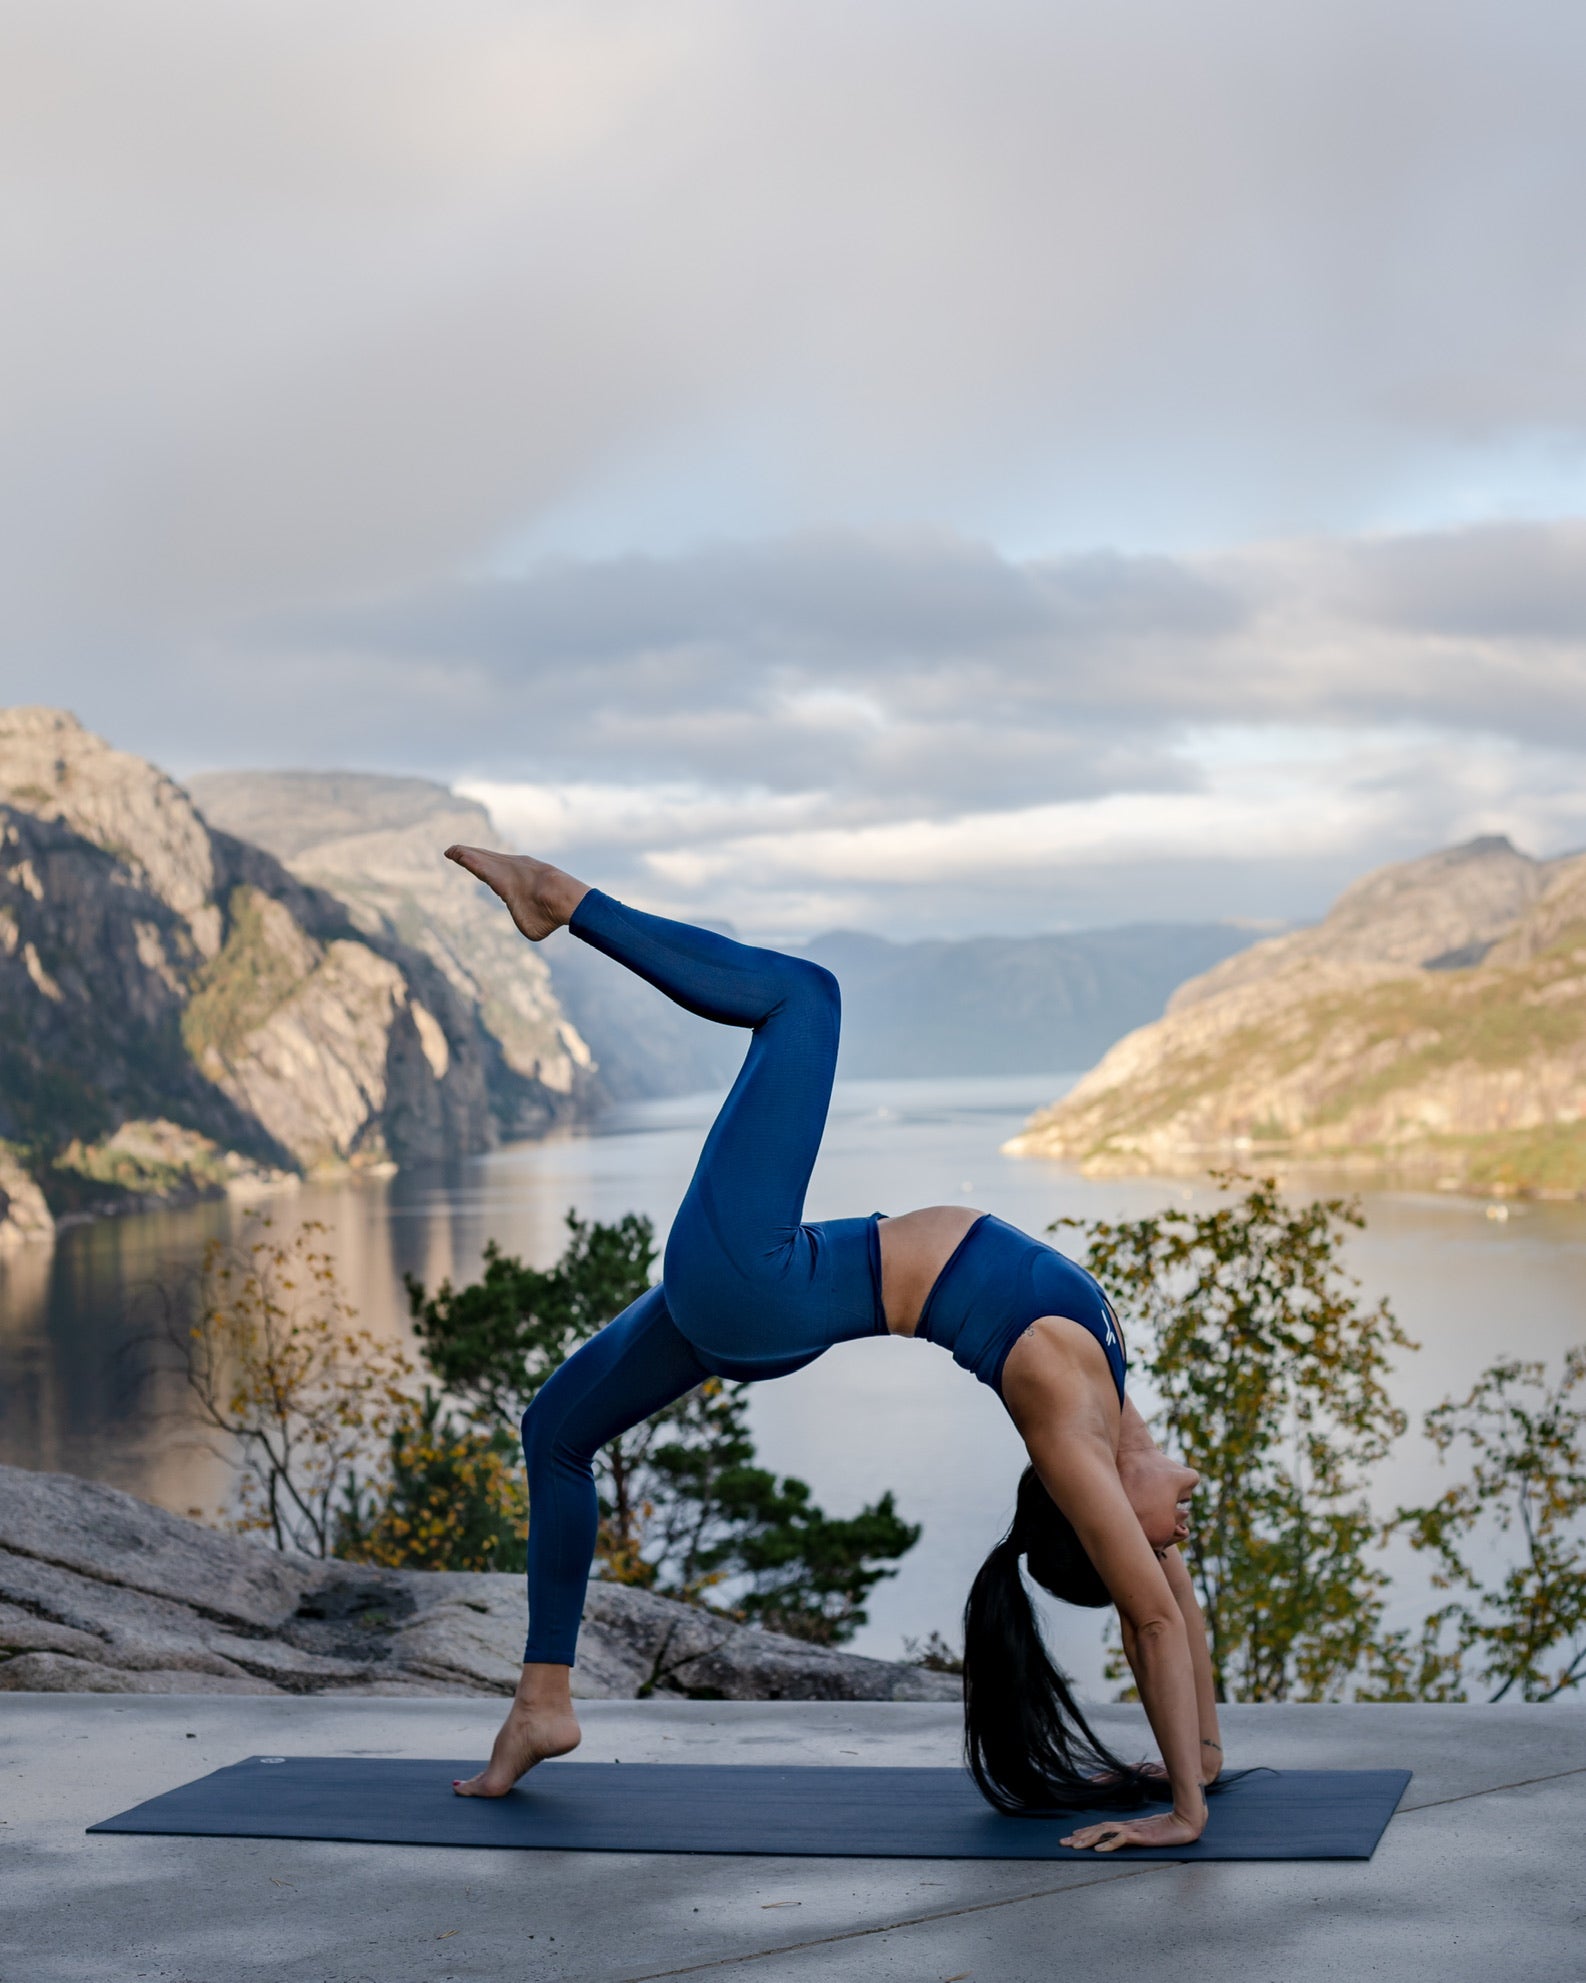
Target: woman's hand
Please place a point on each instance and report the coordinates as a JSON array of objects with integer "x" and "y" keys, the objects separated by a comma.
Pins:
[{"x": 1169, "y": 1829}]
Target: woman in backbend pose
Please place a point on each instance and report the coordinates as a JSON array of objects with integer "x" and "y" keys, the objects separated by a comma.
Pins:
[{"x": 750, "y": 1291}]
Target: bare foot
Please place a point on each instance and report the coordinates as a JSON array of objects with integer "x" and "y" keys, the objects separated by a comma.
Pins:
[
  {"x": 540, "y": 897},
  {"x": 527, "y": 1736}
]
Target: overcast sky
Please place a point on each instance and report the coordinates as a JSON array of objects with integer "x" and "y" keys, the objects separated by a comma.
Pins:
[{"x": 930, "y": 467}]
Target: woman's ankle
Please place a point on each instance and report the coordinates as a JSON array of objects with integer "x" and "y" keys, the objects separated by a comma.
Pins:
[
  {"x": 545, "y": 1689},
  {"x": 563, "y": 894}
]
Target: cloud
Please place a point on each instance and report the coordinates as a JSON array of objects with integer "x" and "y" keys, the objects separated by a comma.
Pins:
[
  {"x": 982, "y": 466},
  {"x": 1508, "y": 582},
  {"x": 864, "y": 651},
  {"x": 1025, "y": 770},
  {"x": 301, "y": 307}
]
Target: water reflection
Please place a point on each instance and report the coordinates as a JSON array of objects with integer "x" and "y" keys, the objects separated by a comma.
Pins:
[{"x": 80, "y": 1393}]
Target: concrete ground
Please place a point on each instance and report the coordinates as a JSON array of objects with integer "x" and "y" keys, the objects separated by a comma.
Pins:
[{"x": 1482, "y": 1874}]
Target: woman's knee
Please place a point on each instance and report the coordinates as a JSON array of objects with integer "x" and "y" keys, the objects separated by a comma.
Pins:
[
  {"x": 812, "y": 985},
  {"x": 544, "y": 1433}
]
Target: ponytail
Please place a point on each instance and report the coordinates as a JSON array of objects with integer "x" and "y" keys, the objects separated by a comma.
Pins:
[{"x": 1027, "y": 1744}]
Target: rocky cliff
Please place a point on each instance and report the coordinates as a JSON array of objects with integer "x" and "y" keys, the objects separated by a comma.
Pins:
[
  {"x": 376, "y": 843},
  {"x": 100, "y": 1593},
  {"x": 563, "y": 1012},
  {"x": 1431, "y": 1029},
  {"x": 181, "y": 1013},
  {"x": 981, "y": 1005}
]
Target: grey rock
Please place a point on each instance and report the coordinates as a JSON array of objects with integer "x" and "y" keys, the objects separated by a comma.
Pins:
[
  {"x": 56, "y": 1673},
  {"x": 112, "y": 1538},
  {"x": 660, "y": 1647},
  {"x": 221, "y": 1019},
  {"x": 467, "y": 1630},
  {"x": 290, "y": 1665},
  {"x": 21, "y": 1631},
  {"x": 376, "y": 844},
  {"x": 102, "y": 1593},
  {"x": 1402, "y": 1039},
  {"x": 24, "y": 1213}
]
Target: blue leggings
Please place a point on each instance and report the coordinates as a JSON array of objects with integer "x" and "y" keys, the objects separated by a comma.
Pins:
[{"x": 748, "y": 1290}]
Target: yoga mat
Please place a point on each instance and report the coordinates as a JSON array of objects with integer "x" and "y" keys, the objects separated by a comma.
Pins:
[{"x": 739, "y": 1809}]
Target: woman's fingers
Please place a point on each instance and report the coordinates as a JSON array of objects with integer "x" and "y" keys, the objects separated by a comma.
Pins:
[
  {"x": 1168, "y": 1829},
  {"x": 1105, "y": 1838}
]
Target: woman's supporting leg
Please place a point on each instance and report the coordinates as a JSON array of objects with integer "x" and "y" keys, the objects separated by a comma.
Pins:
[
  {"x": 740, "y": 1265},
  {"x": 636, "y": 1366},
  {"x": 741, "y": 1269}
]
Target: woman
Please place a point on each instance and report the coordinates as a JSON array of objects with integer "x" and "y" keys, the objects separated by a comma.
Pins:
[{"x": 750, "y": 1291}]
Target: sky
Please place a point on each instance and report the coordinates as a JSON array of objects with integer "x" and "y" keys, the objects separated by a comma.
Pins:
[{"x": 931, "y": 468}]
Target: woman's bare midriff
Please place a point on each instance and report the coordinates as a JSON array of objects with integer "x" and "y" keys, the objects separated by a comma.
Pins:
[{"x": 915, "y": 1247}]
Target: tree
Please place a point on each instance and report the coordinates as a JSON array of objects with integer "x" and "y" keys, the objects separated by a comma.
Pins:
[
  {"x": 276, "y": 1365},
  {"x": 720, "y": 1522},
  {"x": 493, "y": 1343},
  {"x": 449, "y": 1497},
  {"x": 1270, "y": 1380},
  {"x": 684, "y": 1508},
  {"x": 1526, "y": 1632}
]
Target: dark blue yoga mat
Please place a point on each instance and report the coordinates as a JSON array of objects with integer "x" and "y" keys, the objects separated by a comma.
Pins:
[{"x": 730, "y": 1808}]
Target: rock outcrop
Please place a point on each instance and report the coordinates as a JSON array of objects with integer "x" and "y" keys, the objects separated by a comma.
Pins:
[
  {"x": 101, "y": 1593},
  {"x": 24, "y": 1210},
  {"x": 584, "y": 1031},
  {"x": 183, "y": 1015},
  {"x": 376, "y": 844},
  {"x": 1431, "y": 1029}
]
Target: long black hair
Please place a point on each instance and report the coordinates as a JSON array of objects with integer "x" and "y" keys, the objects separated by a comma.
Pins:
[{"x": 1026, "y": 1741}]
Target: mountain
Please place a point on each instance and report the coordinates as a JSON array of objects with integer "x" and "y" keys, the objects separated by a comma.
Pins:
[
  {"x": 985, "y": 1005},
  {"x": 644, "y": 1045},
  {"x": 376, "y": 843},
  {"x": 1007, "y": 1005},
  {"x": 181, "y": 1014},
  {"x": 1432, "y": 1029},
  {"x": 563, "y": 1013}
]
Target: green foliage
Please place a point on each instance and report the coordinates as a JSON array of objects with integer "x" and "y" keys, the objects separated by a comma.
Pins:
[
  {"x": 935, "y": 1654},
  {"x": 1526, "y": 1632},
  {"x": 44, "y": 1099},
  {"x": 240, "y": 987},
  {"x": 149, "y": 1166},
  {"x": 1549, "y": 1159},
  {"x": 685, "y": 1510},
  {"x": 335, "y": 1454},
  {"x": 450, "y": 1498},
  {"x": 719, "y": 1520},
  {"x": 1366, "y": 1047},
  {"x": 1271, "y": 1382},
  {"x": 494, "y": 1342}
]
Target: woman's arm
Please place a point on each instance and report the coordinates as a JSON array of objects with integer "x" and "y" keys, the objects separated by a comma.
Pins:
[
  {"x": 1182, "y": 1585},
  {"x": 1134, "y": 1432},
  {"x": 1077, "y": 1466}
]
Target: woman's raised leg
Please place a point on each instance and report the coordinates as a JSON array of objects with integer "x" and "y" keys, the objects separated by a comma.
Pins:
[
  {"x": 741, "y": 1268},
  {"x": 744, "y": 1206}
]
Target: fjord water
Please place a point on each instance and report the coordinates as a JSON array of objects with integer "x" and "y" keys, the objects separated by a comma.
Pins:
[{"x": 79, "y": 1391}]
